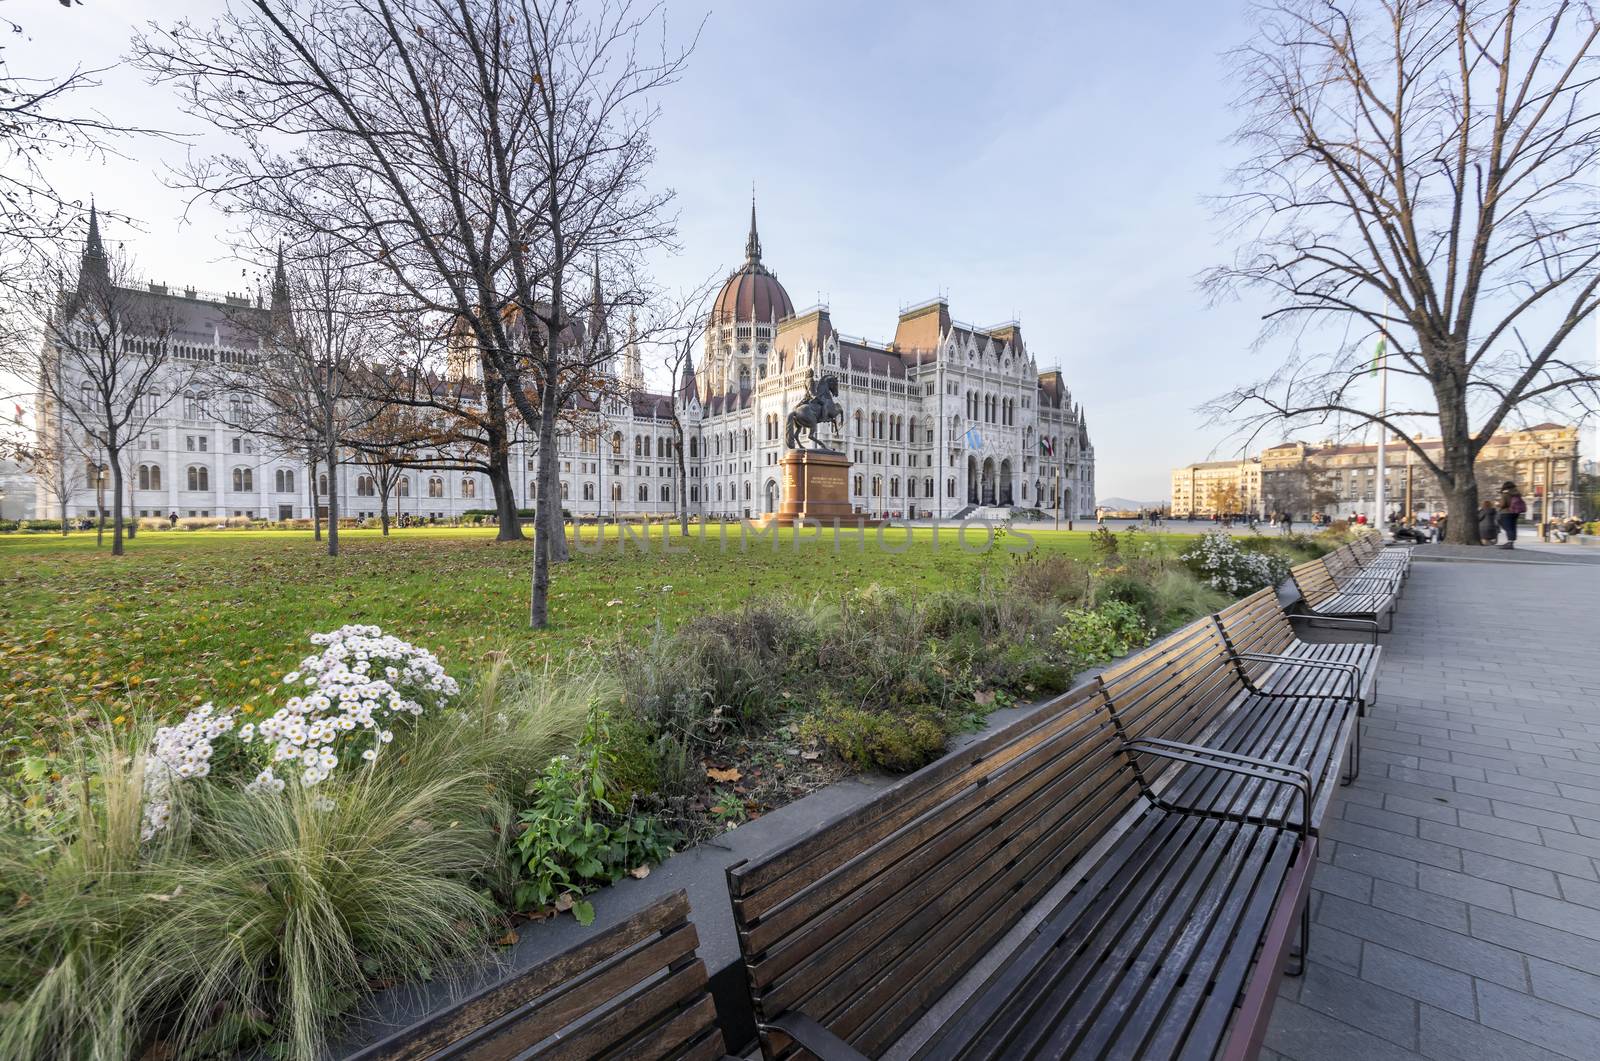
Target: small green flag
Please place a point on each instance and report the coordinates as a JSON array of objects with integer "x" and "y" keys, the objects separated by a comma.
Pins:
[{"x": 1377, "y": 359}]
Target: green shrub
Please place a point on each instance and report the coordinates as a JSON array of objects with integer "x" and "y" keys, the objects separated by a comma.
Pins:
[
  {"x": 1131, "y": 590},
  {"x": 573, "y": 839},
  {"x": 1091, "y": 636},
  {"x": 897, "y": 741},
  {"x": 1181, "y": 598},
  {"x": 1051, "y": 578}
]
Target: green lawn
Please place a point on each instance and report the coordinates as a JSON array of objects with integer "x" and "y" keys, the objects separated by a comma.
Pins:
[{"x": 222, "y": 615}]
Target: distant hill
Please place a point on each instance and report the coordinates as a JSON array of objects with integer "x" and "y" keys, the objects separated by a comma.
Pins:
[{"x": 1122, "y": 504}]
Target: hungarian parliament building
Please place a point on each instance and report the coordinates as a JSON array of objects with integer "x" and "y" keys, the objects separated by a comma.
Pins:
[{"x": 945, "y": 420}]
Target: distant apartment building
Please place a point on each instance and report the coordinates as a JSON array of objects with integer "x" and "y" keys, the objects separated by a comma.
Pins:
[{"x": 1304, "y": 479}]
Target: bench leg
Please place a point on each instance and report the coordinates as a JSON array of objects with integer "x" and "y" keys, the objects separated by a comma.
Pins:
[
  {"x": 1297, "y": 955},
  {"x": 1354, "y": 768}
]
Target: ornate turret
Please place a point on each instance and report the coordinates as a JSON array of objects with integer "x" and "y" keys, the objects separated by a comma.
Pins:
[{"x": 752, "y": 245}]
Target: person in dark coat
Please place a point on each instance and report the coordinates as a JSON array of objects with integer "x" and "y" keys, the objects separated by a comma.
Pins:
[
  {"x": 1512, "y": 506},
  {"x": 1488, "y": 523}
]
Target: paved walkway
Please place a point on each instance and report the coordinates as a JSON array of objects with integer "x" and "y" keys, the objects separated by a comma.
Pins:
[{"x": 1457, "y": 906}]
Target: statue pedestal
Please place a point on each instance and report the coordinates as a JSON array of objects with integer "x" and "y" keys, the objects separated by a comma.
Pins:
[{"x": 816, "y": 488}]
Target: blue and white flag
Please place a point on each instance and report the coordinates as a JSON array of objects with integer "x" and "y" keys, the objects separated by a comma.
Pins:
[{"x": 974, "y": 440}]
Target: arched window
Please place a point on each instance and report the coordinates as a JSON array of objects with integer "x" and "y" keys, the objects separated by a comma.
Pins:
[
  {"x": 616, "y": 443},
  {"x": 284, "y": 481},
  {"x": 563, "y": 489},
  {"x": 858, "y": 419},
  {"x": 149, "y": 476},
  {"x": 199, "y": 477},
  {"x": 435, "y": 486},
  {"x": 719, "y": 491},
  {"x": 365, "y": 486},
  {"x": 193, "y": 407},
  {"x": 858, "y": 483},
  {"x": 403, "y": 487},
  {"x": 243, "y": 480},
  {"x": 616, "y": 491},
  {"x": 694, "y": 447},
  {"x": 322, "y": 485},
  {"x": 469, "y": 487},
  {"x": 666, "y": 493},
  {"x": 644, "y": 492},
  {"x": 588, "y": 491}
]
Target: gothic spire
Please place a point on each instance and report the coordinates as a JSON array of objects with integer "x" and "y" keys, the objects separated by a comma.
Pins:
[
  {"x": 752, "y": 246},
  {"x": 93, "y": 264},
  {"x": 280, "y": 309}
]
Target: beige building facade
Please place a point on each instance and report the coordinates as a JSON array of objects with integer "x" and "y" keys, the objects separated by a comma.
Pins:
[{"x": 1340, "y": 481}]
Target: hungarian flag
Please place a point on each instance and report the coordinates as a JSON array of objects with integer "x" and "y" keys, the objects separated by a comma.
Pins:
[
  {"x": 1047, "y": 447},
  {"x": 1377, "y": 358},
  {"x": 19, "y": 411}
]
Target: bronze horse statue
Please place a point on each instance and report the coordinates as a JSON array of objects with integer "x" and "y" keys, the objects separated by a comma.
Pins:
[{"x": 819, "y": 407}]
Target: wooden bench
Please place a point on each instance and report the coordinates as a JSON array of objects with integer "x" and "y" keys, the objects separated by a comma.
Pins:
[
  {"x": 1192, "y": 689},
  {"x": 1348, "y": 572},
  {"x": 1261, "y": 635},
  {"x": 636, "y": 991},
  {"x": 1156, "y": 930},
  {"x": 1374, "y": 555},
  {"x": 1323, "y": 598}
]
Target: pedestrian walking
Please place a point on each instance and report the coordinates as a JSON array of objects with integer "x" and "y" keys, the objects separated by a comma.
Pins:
[{"x": 1512, "y": 506}]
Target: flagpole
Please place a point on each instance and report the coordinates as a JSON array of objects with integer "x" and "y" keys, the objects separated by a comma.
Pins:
[{"x": 1383, "y": 430}]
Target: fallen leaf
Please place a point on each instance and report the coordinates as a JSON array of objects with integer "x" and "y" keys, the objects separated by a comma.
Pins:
[
  {"x": 639, "y": 872},
  {"x": 508, "y": 939},
  {"x": 983, "y": 697},
  {"x": 730, "y": 774}
]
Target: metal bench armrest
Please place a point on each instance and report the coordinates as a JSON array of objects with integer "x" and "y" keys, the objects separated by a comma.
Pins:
[
  {"x": 1232, "y": 762},
  {"x": 1352, "y": 671},
  {"x": 814, "y": 1037},
  {"x": 1337, "y": 621}
]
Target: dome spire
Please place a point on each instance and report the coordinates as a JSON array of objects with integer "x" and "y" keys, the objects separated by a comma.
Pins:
[{"x": 752, "y": 246}]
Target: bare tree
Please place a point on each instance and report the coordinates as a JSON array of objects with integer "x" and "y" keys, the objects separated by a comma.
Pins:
[
  {"x": 42, "y": 117},
  {"x": 305, "y": 390},
  {"x": 678, "y": 328},
  {"x": 109, "y": 365},
  {"x": 482, "y": 151},
  {"x": 50, "y": 458},
  {"x": 1420, "y": 172}
]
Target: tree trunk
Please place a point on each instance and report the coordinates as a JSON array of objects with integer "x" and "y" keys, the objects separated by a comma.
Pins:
[
  {"x": 133, "y": 521},
  {"x": 383, "y": 507},
  {"x": 311, "y": 488},
  {"x": 116, "y": 504},
  {"x": 505, "y": 495},
  {"x": 548, "y": 527},
  {"x": 550, "y": 486},
  {"x": 332, "y": 463},
  {"x": 1460, "y": 479},
  {"x": 683, "y": 477},
  {"x": 496, "y": 435}
]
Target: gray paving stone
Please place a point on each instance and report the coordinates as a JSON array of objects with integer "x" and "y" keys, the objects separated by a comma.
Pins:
[
  {"x": 1424, "y": 906},
  {"x": 1304, "y": 1034},
  {"x": 1548, "y": 1025},
  {"x": 1569, "y": 987},
  {"x": 1361, "y": 1004},
  {"x": 1467, "y": 888},
  {"x": 1418, "y": 979},
  {"x": 1447, "y": 1037},
  {"x": 1460, "y": 883}
]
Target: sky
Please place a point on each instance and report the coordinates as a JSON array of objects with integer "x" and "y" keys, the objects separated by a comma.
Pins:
[{"x": 1044, "y": 161}]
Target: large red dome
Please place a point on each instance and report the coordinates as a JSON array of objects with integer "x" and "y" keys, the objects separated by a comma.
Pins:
[{"x": 752, "y": 293}]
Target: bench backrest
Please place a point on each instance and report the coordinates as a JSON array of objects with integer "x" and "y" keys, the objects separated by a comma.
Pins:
[
  {"x": 635, "y": 990},
  {"x": 867, "y": 921},
  {"x": 1173, "y": 690},
  {"x": 1313, "y": 581},
  {"x": 1344, "y": 560},
  {"x": 1258, "y": 625}
]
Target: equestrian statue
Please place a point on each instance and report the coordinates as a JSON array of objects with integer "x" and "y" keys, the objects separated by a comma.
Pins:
[{"x": 817, "y": 408}]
